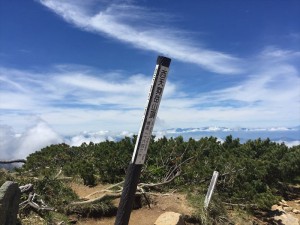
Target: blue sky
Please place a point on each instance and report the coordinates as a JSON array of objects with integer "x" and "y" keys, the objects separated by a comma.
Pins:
[{"x": 87, "y": 65}]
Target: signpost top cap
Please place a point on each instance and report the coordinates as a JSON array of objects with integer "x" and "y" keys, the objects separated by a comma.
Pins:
[{"x": 164, "y": 61}]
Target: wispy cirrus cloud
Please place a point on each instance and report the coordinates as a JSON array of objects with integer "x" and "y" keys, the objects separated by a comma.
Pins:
[{"x": 143, "y": 30}]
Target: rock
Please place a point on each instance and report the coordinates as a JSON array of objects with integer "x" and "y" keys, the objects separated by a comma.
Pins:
[
  {"x": 9, "y": 203},
  {"x": 288, "y": 209},
  {"x": 286, "y": 219},
  {"x": 296, "y": 211},
  {"x": 277, "y": 208},
  {"x": 283, "y": 203},
  {"x": 73, "y": 219},
  {"x": 169, "y": 218}
]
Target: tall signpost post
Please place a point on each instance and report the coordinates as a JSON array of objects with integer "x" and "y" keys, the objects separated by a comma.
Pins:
[{"x": 143, "y": 139}]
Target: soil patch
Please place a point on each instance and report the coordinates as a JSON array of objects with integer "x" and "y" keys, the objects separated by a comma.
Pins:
[{"x": 160, "y": 203}]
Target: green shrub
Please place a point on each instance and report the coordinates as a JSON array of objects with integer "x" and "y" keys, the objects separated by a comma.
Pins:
[
  {"x": 54, "y": 192},
  {"x": 5, "y": 176}
]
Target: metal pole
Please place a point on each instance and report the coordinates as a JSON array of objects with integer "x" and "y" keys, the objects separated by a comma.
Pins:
[{"x": 143, "y": 139}]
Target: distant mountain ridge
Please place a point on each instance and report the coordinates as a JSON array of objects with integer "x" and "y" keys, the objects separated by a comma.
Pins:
[{"x": 226, "y": 129}]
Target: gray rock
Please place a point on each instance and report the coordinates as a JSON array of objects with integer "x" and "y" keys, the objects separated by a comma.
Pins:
[{"x": 9, "y": 203}]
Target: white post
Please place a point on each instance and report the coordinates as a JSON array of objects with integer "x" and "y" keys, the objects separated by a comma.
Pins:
[{"x": 211, "y": 188}]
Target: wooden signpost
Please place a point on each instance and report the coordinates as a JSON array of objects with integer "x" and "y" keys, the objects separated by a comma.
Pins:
[{"x": 143, "y": 140}]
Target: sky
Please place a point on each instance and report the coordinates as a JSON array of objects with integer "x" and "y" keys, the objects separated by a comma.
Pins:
[{"x": 71, "y": 66}]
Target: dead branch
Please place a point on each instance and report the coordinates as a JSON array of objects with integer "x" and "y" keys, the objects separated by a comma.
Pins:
[
  {"x": 26, "y": 188},
  {"x": 232, "y": 172},
  {"x": 108, "y": 193},
  {"x": 38, "y": 205},
  {"x": 59, "y": 172},
  {"x": 107, "y": 189},
  {"x": 142, "y": 185},
  {"x": 12, "y": 161},
  {"x": 240, "y": 205},
  {"x": 176, "y": 168},
  {"x": 222, "y": 175},
  {"x": 64, "y": 178},
  {"x": 171, "y": 175},
  {"x": 99, "y": 199}
]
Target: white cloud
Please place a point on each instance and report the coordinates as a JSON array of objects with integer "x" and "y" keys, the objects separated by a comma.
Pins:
[
  {"x": 289, "y": 143},
  {"x": 40, "y": 135},
  {"x": 72, "y": 87},
  {"x": 118, "y": 21},
  {"x": 19, "y": 146},
  {"x": 7, "y": 142},
  {"x": 96, "y": 137},
  {"x": 73, "y": 99},
  {"x": 274, "y": 53}
]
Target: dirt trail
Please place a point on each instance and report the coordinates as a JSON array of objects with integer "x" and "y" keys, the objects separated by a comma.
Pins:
[
  {"x": 295, "y": 204},
  {"x": 175, "y": 202},
  {"x": 145, "y": 216}
]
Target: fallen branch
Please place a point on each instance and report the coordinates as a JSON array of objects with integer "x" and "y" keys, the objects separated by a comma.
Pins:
[
  {"x": 58, "y": 174},
  {"x": 142, "y": 185},
  {"x": 12, "y": 161},
  {"x": 95, "y": 200},
  {"x": 26, "y": 188},
  {"x": 222, "y": 175},
  {"x": 172, "y": 174},
  {"x": 240, "y": 205},
  {"x": 31, "y": 203},
  {"x": 117, "y": 193},
  {"x": 107, "y": 189}
]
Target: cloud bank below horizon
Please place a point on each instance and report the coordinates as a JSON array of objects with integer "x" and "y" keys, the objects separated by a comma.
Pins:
[{"x": 41, "y": 135}]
